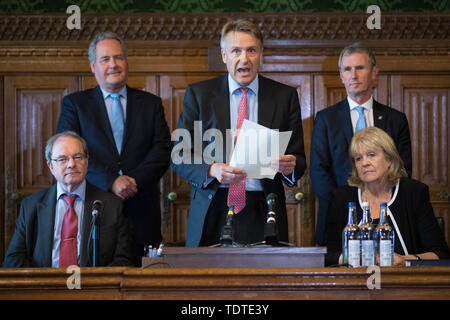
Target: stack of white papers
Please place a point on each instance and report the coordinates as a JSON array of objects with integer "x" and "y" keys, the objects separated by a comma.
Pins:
[{"x": 256, "y": 147}]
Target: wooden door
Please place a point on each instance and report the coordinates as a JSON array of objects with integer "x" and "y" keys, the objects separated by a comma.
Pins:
[
  {"x": 31, "y": 111},
  {"x": 300, "y": 199},
  {"x": 425, "y": 101},
  {"x": 175, "y": 197}
]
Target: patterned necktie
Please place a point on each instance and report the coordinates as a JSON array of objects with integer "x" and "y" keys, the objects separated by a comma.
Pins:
[
  {"x": 361, "y": 123},
  {"x": 236, "y": 191},
  {"x": 68, "y": 253},
  {"x": 117, "y": 119}
]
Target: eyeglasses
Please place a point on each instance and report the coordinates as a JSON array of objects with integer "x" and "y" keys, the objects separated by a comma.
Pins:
[{"x": 64, "y": 159}]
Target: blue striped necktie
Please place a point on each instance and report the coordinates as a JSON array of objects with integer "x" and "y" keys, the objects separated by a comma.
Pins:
[
  {"x": 361, "y": 123},
  {"x": 117, "y": 119}
]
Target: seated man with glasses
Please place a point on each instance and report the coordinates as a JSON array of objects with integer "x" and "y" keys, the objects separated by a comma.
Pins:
[{"x": 53, "y": 228}]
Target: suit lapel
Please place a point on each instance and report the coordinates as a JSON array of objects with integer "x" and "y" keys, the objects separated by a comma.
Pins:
[
  {"x": 46, "y": 225},
  {"x": 345, "y": 121},
  {"x": 379, "y": 116},
  {"x": 266, "y": 104},
  {"x": 221, "y": 105},
  {"x": 102, "y": 114},
  {"x": 133, "y": 103},
  {"x": 86, "y": 252}
]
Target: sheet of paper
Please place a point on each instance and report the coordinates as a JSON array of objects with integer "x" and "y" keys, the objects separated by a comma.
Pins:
[{"x": 256, "y": 147}]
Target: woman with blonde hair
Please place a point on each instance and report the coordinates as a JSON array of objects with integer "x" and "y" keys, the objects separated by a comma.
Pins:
[{"x": 378, "y": 176}]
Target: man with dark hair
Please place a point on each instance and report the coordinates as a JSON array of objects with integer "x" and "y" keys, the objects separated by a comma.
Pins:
[
  {"x": 53, "y": 228},
  {"x": 335, "y": 125},
  {"x": 223, "y": 103},
  {"x": 127, "y": 136}
]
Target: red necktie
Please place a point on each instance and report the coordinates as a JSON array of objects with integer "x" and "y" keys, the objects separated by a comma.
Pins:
[
  {"x": 68, "y": 253},
  {"x": 236, "y": 191}
]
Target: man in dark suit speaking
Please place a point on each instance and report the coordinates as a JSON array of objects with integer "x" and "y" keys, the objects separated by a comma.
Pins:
[
  {"x": 222, "y": 104},
  {"x": 53, "y": 228},
  {"x": 127, "y": 136},
  {"x": 335, "y": 125}
]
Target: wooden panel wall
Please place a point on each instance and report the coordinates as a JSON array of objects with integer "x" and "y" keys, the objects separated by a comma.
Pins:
[{"x": 38, "y": 67}]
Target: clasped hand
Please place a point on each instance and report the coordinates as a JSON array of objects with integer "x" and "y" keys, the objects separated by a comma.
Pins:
[{"x": 124, "y": 187}]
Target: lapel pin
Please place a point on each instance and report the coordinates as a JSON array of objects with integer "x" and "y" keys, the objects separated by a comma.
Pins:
[{"x": 380, "y": 117}]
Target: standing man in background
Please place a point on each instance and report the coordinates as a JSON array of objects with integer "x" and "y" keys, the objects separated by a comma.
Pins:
[
  {"x": 223, "y": 103},
  {"x": 335, "y": 125},
  {"x": 127, "y": 136}
]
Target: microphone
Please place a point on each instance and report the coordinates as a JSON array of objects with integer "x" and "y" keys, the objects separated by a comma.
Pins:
[
  {"x": 97, "y": 206},
  {"x": 271, "y": 203},
  {"x": 226, "y": 239},
  {"x": 270, "y": 228}
]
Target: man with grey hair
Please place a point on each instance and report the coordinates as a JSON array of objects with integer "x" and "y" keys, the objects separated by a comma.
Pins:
[
  {"x": 127, "y": 136},
  {"x": 330, "y": 165},
  {"x": 223, "y": 103},
  {"x": 53, "y": 228}
]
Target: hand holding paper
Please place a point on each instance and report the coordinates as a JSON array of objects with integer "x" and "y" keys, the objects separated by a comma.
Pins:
[{"x": 258, "y": 148}]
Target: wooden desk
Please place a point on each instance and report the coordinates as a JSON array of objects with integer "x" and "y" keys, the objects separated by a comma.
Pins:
[
  {"x": 230, "y": 283},
  {"x": 242, "y": 257}
]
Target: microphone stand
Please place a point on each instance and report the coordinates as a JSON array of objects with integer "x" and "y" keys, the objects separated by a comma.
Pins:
[
  {"x": 95, "y": 237},
  {"x": 226, "y": 239},
  {"x": 271, "y": 227}
]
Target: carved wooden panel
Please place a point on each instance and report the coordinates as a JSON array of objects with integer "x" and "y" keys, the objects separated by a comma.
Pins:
[
  {"x": 301, "y": 223},
  {"x": 285, "y": 26},
  {"x": 2, "y": 181},
  {"x": 179, "y": 229},
  {"x": 33, "y": 104},
  {"x": 176, "y": 197},
  {"x": 425, "y": 101},
  {"x": 172, "y": 93}
]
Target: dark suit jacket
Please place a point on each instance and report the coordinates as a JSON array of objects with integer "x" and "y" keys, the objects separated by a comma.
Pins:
[
  {"x": 412, "y": 211},
  {"x": 32, "y": 242},
  {"x": 145, "y": 151},
  {"x": 208, "y": 102},
  {"x": 329, "y": 161}
]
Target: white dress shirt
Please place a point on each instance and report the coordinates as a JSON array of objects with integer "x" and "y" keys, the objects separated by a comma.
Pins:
[{"x": 368, "y": 112}]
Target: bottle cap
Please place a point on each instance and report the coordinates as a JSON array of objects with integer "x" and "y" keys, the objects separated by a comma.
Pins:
[
  {"x": 383, "y": 204},
  {"x": 365, "y": 204},
  {"x": 351, "y": 204}
]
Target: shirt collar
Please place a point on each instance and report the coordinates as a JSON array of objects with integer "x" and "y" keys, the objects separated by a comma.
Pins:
[
  {"x": 80, "y": 191},
  {"x": 353, "y": 104},
  {"x": 122, "y": 92},
  {"x": 233, "y": 85}
]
